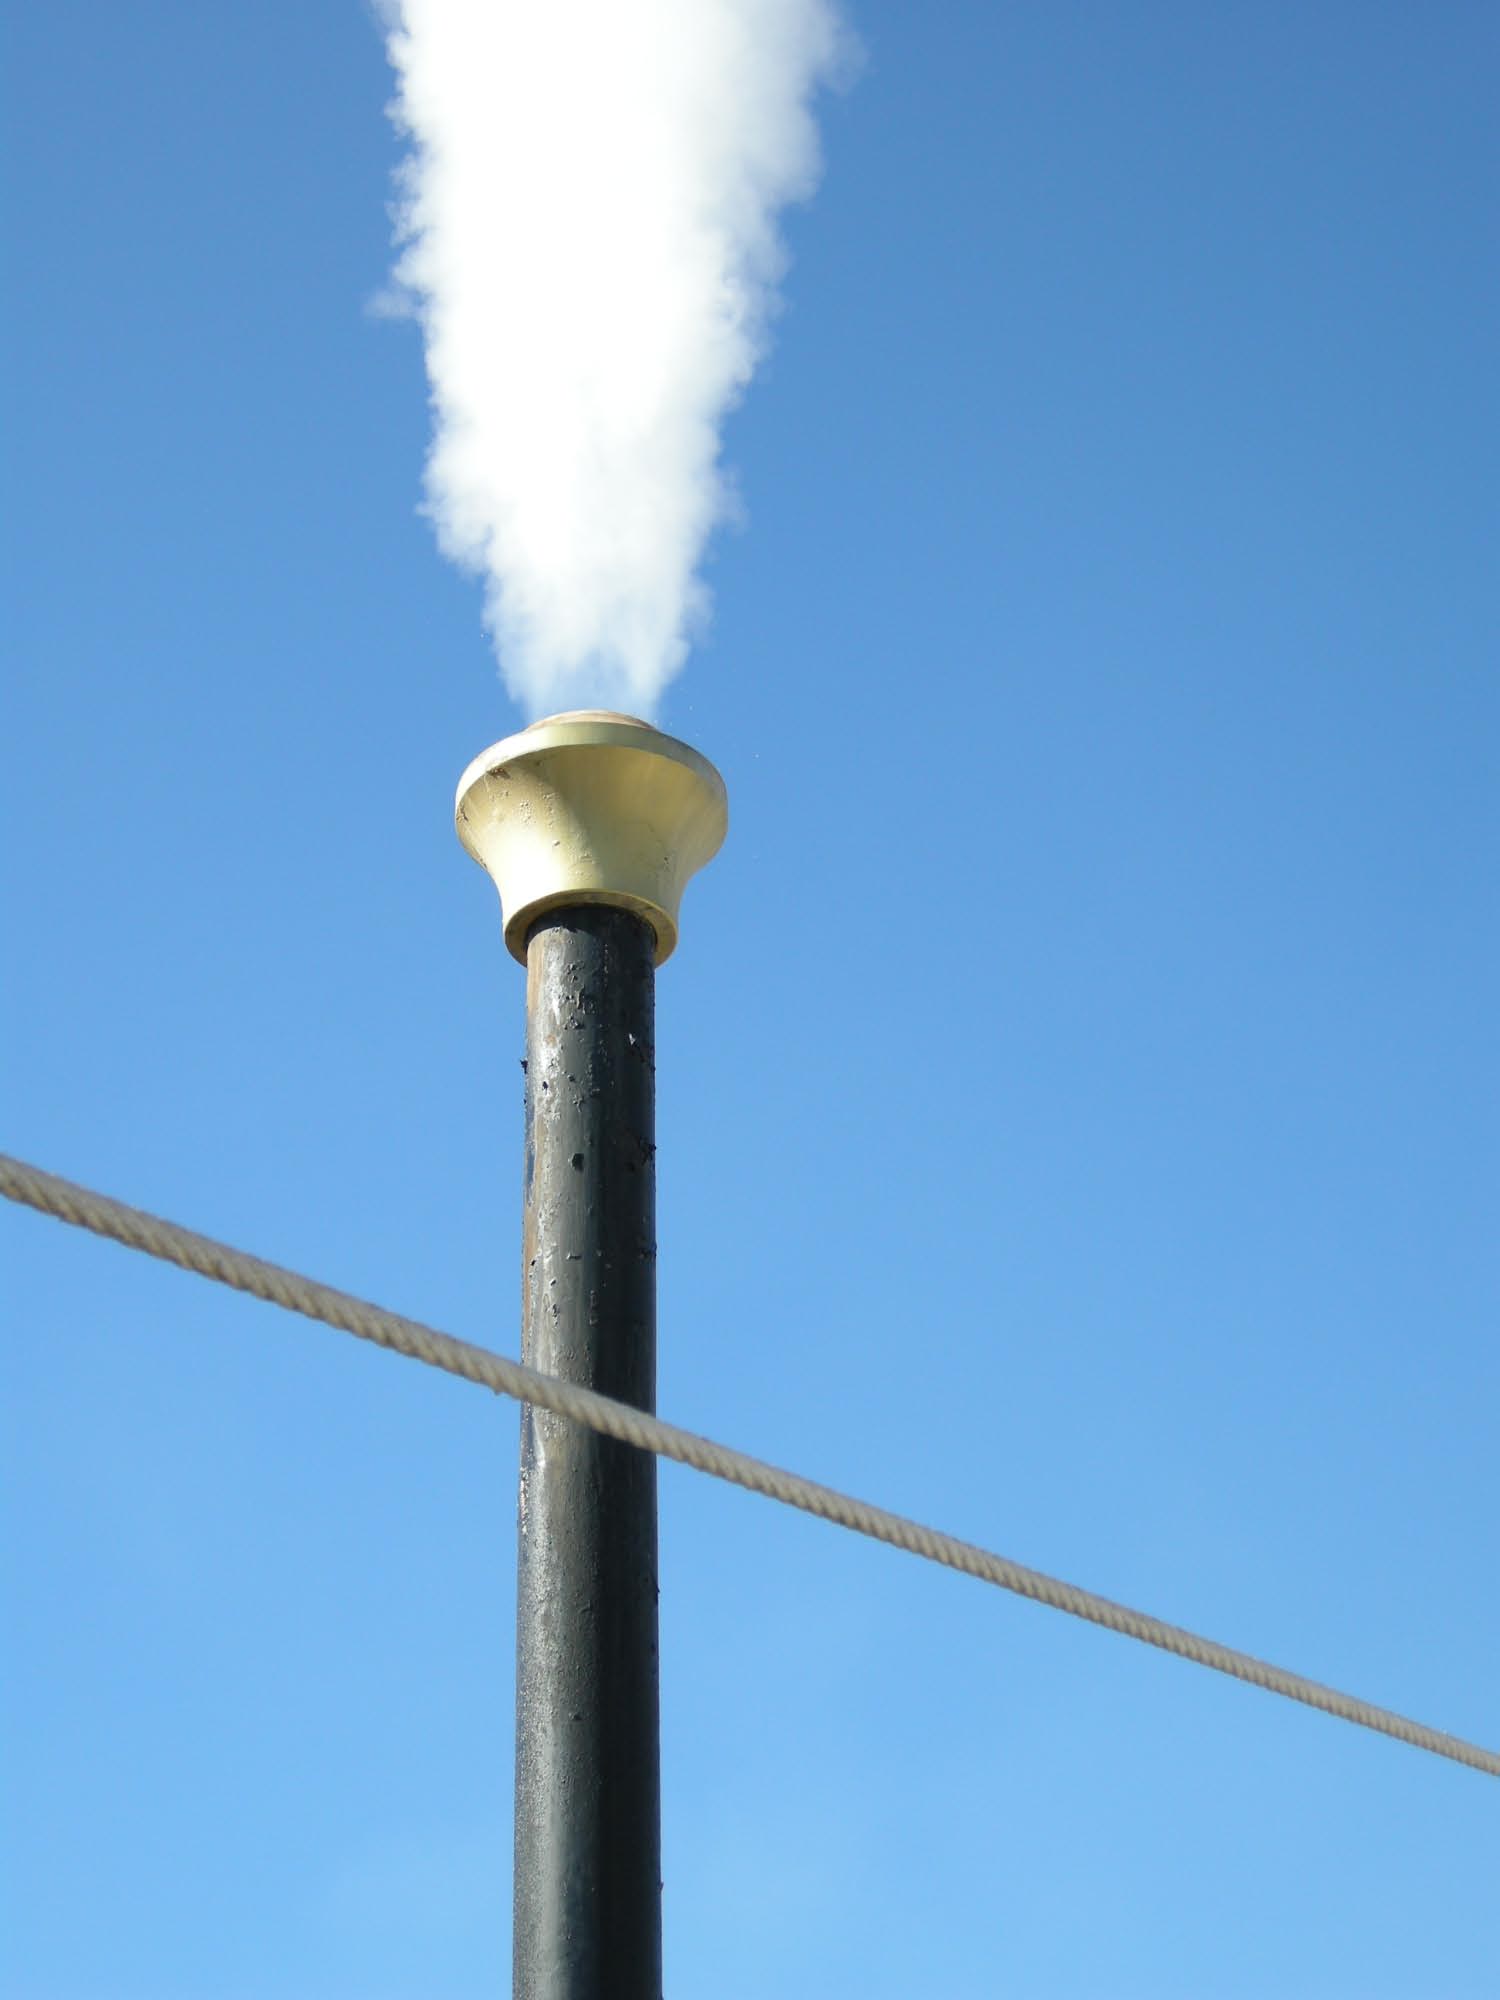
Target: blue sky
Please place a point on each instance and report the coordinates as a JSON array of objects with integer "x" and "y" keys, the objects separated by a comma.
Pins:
[{"x": 1078, "y": 1081}]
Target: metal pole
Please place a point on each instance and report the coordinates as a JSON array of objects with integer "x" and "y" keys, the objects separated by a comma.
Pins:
[
  {"x": 588, "y": 1815},
  {"x": 590, "y": 824}
]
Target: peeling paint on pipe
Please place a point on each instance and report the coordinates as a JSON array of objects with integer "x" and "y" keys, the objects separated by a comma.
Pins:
[{"x": 588, "y": 1839}]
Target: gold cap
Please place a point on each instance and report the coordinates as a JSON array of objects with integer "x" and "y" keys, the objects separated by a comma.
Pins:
[{"x": 591, "y": 807}]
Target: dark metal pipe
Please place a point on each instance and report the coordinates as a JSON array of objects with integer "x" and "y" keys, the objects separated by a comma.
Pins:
[{"x": 588, "y": 1812}]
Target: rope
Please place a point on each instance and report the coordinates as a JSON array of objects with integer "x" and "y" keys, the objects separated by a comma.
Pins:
[{"x": 167, "y": 1240}]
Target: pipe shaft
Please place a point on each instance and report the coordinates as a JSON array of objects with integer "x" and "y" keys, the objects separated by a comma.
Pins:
[{"x": 588, "y": 1817}]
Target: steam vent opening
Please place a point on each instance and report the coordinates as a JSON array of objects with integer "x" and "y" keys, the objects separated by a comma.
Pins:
[{"x": 591, "y": 806}]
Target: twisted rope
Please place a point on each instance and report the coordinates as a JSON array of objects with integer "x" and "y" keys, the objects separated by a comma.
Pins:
[{"x": 20, "y": 1182}]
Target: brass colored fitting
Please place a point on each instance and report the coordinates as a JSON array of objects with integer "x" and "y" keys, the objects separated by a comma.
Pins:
[{"x": 591, "y": 807}]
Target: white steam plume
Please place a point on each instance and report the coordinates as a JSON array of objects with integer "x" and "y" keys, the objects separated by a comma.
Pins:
[{"x": 587, "y": 221}]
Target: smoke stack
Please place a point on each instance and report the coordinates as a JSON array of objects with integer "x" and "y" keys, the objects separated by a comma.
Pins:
[{"x": 590, "y": 825}]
